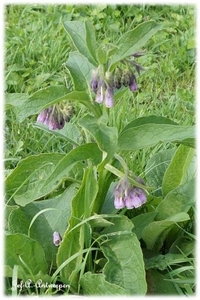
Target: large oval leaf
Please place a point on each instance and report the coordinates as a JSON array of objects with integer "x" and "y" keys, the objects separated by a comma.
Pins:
[
  {"x": 150, "y": 134},
  {"x": 178, "y": 200},
  {"x": 20, "y": 247},
  {"x": 96, "y": 284},
  {"x": 125, "y": 266},
  {"x": 83, "y": 36},
  {"x": 54, "y": 216},
  {"x": 39, "y": 175},
  {"x": 179, "y": 171}
]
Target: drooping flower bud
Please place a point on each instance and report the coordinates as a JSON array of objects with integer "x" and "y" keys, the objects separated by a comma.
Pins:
[
  {"x": 56, "y": 238},
  {"x": 94, "y": 83},
  {"x": 133, "y": 83}
]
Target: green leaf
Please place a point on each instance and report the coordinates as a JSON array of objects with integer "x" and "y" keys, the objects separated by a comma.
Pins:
[
  {"x": 70, "y": 132},
  {"x": 108, "y": 205},
  {"x": 148, "y": 135},
  {"x": 80, "y": 70},
  {"x": 40, "y": 100},
  {"x": 177, "y": 172},
  {"x": 183, "y": 244},
  {"x": 75, "y": 237},
  {"x": 96, "y": 284},
  {"x": 141, "y": 221},
  {"x": 83, "y": 37},
  {"x": 91, "y": 39},
  {"x": 46, "y": 223},
  {"x": 47, "y": 97},
  {"x": 31, "y": 253},
  {"x": 14, "y": 99},
  {"x": 162, "y": 262},
  {"x": 156, "y": 167},
  {"x": 125, "y": 266},
  {"x": 105, "y": 136},
  {"x": 155, "y": 233},
  {"x": 30, "y": 172},
  {"x": 157, "y": 284},
  {"x": 148, "y": 120},
  {"x": 102, "y": 54},
  {"x": 134, "y": 40},
  {"x": 37, "y": 176},
  {"x": 178, "y": 200}
]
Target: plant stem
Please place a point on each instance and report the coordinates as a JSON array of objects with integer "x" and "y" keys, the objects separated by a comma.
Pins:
[{"x": 121, "y": 175}]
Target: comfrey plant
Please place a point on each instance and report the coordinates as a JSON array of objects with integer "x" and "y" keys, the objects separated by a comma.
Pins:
[{"x": 84, "y": 214}]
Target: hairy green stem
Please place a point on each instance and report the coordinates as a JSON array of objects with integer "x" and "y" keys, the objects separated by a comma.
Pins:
[{"x": 121, "y": 175}]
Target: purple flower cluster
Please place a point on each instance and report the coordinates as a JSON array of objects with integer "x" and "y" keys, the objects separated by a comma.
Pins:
[
  {"x": 103, "y": 85},
  {"x": 127, "y": 196},
  {"x": 55, "y": 116}
]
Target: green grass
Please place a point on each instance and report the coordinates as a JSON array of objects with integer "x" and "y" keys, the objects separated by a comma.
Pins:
[{"x": 37, "y": 46}]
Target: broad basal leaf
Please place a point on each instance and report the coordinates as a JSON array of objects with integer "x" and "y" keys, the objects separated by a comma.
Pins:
[
  {"x": 156, "y": 167},
  {"x": 125, "y": 266},
  {"x": 158, "y": 285},
  {"x": 37, "y": 176},
  {"x": 178, "y": 200},
  {"x": 155, "y": 233},
  {"x": 141, "y": 221},
  {"x": 19, "y": 246},
  {"x": 96, "y": 284},
  {"x": 177, "y": 172},
  {"x": 54, "y": 217}
]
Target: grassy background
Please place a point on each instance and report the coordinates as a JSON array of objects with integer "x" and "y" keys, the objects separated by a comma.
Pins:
[{"x": 37, "y": 46}]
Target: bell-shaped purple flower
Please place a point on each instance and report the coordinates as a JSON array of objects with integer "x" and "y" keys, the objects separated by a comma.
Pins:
[
  {"x": 119, "y": 203},
  {"x": 135, "y": 198},
  {"x": 56, "y": 238},
  {"x": 100, "y": 95},
  {"x": 109, "y": 97},
  {"x": 42, "y": 116}
]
